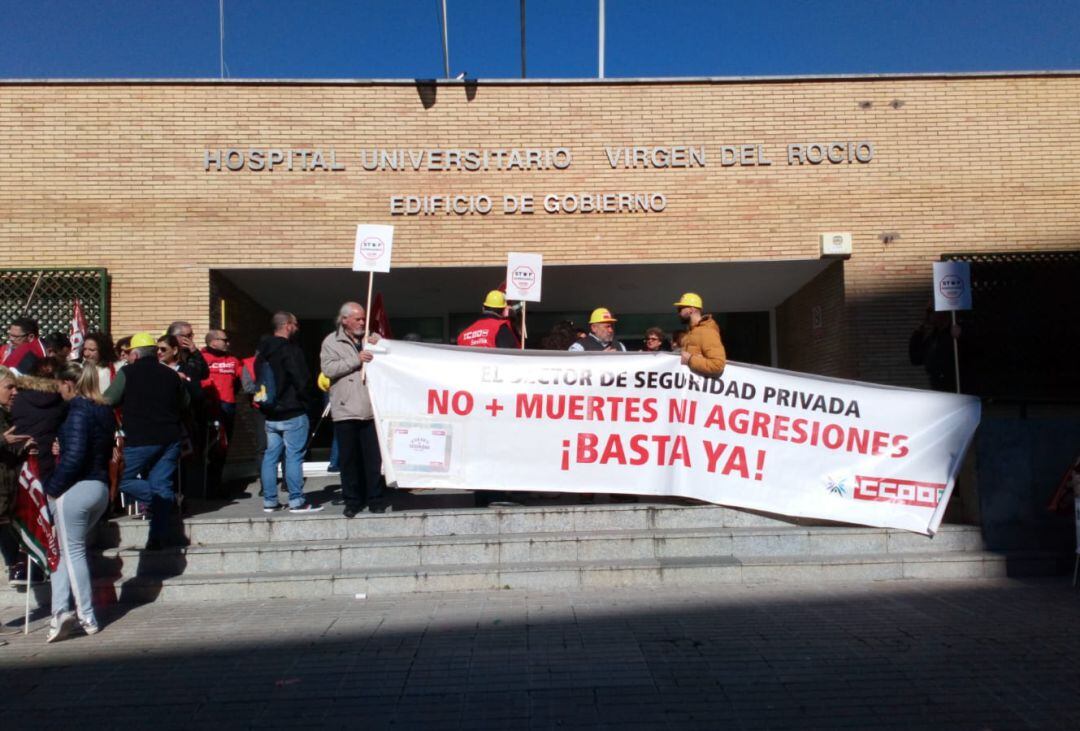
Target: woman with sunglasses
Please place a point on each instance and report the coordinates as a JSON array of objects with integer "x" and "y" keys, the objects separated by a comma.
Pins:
[{"x": 655, "y": 341}]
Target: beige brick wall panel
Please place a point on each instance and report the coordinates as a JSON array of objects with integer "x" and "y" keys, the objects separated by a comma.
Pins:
[{"x": 111, "y": 174}]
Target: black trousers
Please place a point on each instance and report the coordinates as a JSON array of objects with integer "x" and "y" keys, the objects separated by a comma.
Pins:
[
  {"x": 361, "y": 464},
  {"x": 215, "y": 456}
]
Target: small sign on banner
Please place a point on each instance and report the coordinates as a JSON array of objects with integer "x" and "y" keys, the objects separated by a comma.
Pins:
[
  {"x": 417, "y": 448},
  {"x": 952, "y": 286},
  {"x": 523, "y": 275},
  {"x": 374, "y": 244}
]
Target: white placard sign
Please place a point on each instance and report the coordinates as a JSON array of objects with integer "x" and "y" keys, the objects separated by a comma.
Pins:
[
  {"x": 952, "y": 285},
  {"x": 642, "y": 424},
  {"x": 374, "y": 244},
  {"x": 523, "y": 275}
]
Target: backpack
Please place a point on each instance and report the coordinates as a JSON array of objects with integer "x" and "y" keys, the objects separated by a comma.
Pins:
[{"x": 266, "y": 393}]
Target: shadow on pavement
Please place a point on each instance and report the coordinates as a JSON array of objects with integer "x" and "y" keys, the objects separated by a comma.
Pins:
[{"x": 979, "y": 655}]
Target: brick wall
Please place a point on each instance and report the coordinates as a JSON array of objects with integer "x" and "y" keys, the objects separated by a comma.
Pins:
[
  {"x": 812, "y": 327},
  {"x": 111, "y": 174}
]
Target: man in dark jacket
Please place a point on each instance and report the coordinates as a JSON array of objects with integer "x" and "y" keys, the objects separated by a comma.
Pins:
[
  {"x": 154, "y": 399},
  {"x": 194, "y": 367},
  {"x": 601, "y": 337},
  {"x": 286, "y": 414}
]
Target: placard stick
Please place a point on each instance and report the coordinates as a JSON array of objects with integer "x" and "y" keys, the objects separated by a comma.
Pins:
[
  {"x": 367, "y": 323},
  {"x": 524, "y": 333},
  {"x": 955, "y": 351}
]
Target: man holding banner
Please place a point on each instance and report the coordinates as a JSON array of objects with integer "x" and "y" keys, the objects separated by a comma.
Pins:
[
  {"x": 601, "y": 337},
  {"x": 702, "y": 349},
  {"x": 342, "y": 358}
]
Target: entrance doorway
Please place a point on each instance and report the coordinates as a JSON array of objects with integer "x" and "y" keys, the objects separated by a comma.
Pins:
[{"x": 433, "y": 304}]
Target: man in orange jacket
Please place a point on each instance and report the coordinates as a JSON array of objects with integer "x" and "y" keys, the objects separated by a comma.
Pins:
[{"x": 702, "y": 348}]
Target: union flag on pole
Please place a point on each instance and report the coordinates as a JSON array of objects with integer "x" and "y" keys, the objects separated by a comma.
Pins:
[
  {"x": 32, "y": 520},
  {"x": 78, "y": 331}
]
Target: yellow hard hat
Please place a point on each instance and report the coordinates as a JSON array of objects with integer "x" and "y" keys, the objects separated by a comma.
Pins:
[
  {"x": 495, "y": 300},
  {"x": 143, "y": 340},
  {"x": 324, "y": 382},
  {"x": 601, "y": 314},
  {"x": 690, "y": 299}
]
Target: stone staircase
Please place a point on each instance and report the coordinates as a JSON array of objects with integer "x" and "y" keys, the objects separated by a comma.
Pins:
[{"x": 547, "y": 548}]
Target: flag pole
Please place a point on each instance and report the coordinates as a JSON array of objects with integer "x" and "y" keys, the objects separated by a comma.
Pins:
[
  {"x": 445, "y": 43},
  {"x": 522, "y": 14},
  {"x": 600, "y": 43},
  {"x": 29, "y": 588}
]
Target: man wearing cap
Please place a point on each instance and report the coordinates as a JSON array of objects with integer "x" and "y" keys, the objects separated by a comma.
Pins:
[
  {"x": 493, "y": 329},
  {"x": 702, "y": 348},
  {"x": 153, "y": 398},
  {"x": 601, "y": 337}
]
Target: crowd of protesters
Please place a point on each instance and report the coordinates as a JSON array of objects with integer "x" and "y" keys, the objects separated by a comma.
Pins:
[
  {"x": 97, "y": 426},
  {"x": 130, "y": 422}
]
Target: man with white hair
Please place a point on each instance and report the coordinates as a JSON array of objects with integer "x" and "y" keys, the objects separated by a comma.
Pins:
[{"x": 342, "y": 358}]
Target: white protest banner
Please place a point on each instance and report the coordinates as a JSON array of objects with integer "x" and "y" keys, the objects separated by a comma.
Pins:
[
  {"x": 756, "y": 438},
  {"x": 952, "y": 285},
  {"x": 374, "y": 244},
  {"x": 524, "y": 273}
]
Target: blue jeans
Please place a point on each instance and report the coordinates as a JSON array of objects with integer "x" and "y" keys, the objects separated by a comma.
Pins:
[
  {"x": 291, "y": 436},
  {"x": 158, "y": 463}
]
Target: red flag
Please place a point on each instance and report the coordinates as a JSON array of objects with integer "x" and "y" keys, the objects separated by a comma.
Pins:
[
  {"x": 378, "y": 321},
  {"x": 32, "y": 520},
  {"x": 78, "y": 331}
]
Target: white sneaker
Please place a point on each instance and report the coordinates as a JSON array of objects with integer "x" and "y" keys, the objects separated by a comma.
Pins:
[
  {"x": 61, "y": 626},
  {"x": 90, "y": 628}
]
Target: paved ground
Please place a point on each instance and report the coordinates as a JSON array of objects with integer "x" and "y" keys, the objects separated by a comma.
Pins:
[{"x": 957, "y": 655}]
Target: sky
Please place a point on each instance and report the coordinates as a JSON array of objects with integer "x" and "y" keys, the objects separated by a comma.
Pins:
[{"x": 644, "y": 38}]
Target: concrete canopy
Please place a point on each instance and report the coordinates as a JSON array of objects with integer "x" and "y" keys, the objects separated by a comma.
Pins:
[{"x": 625, "y": 288}]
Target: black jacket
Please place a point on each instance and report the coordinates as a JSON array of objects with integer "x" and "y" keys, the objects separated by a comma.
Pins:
[
  {"x": 291, "y": 376},
  {"x": 153, "y": 400},
  {"x": 194, "y": 366},
  {"x": 86, "y": 441},
  {"x": 38, "y": 411}
]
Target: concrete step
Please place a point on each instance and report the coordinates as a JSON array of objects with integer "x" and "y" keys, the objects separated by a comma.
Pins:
[
  {"x": 559, "y": 575},
  {"x": 256, "y": 527},
  {"x": 515, "y": 548}
]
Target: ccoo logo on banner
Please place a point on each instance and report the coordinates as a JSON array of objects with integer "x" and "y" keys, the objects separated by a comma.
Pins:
[{"x": 643, "y": 424}]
